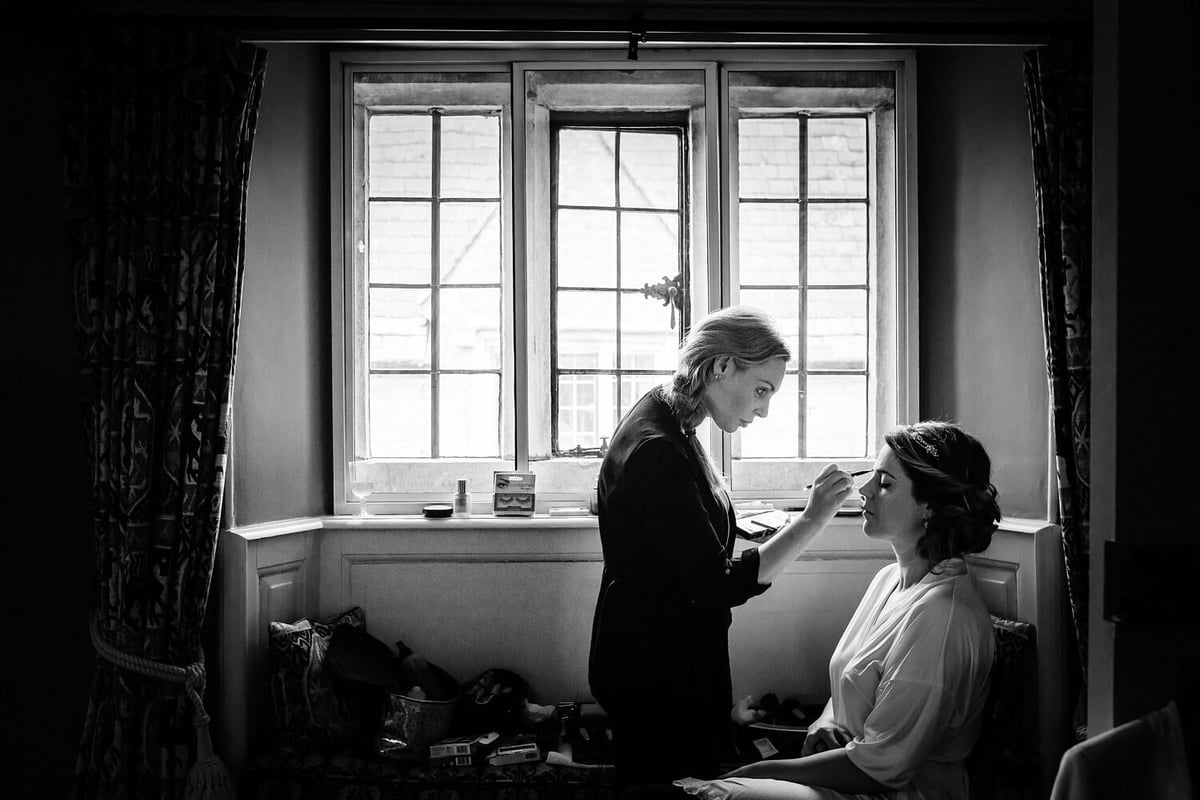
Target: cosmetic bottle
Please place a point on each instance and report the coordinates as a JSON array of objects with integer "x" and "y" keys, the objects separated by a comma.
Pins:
[{"x": 462, "y": 500}]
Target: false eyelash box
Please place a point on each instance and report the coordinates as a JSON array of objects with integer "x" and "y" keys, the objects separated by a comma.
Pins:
[{"x": 512, "y": 494}]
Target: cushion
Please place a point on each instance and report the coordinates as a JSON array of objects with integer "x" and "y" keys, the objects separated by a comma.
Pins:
[
  {"x": 1002, "y": 758},
  {"x": 310, "y": 711},
  {"x": 1014, "y": 643}
]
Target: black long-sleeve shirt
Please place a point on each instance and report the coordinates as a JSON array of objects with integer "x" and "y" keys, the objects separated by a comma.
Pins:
[{"x": 661, "y": 628}]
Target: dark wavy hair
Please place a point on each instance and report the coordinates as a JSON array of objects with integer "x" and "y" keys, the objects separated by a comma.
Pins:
[{"x": 951, "y": 472}]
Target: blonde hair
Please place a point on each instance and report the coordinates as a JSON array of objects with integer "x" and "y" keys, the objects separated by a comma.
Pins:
[{"x": 747, "y": 335}]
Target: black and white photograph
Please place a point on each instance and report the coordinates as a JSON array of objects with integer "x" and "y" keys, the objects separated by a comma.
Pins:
[{"x": 602, "y": 400}]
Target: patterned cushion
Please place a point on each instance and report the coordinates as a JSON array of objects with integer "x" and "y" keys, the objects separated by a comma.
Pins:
[
  {"x": 309, "y": 710},
  {"x": 1003, "y": 763}
]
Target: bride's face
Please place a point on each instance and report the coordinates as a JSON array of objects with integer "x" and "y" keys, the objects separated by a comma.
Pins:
[{"x": 890, "y": 511}]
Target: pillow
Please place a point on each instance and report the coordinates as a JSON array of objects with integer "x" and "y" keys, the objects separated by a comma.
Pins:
[
  {"x": 309, "y": 712},
  {"x": 1001, "y": 757}
]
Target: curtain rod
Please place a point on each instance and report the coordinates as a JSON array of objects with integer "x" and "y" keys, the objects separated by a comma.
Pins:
[
  {"x": 654, "y": 39},
  {"x": 356, "y": 30}
]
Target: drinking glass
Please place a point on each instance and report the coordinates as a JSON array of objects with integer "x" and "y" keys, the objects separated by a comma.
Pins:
[{"x": 361, "y": 484}]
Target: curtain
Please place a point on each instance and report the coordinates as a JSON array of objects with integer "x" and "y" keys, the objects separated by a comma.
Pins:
[
  {"x": 1058, "y": 90},
  {"x": 157, "y": 140}
]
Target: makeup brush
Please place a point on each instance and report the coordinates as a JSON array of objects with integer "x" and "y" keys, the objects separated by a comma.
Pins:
[{"x": 852, "y": 475}]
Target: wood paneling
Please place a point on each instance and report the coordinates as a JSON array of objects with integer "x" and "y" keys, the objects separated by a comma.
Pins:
[{"x": 480, "y": 593}]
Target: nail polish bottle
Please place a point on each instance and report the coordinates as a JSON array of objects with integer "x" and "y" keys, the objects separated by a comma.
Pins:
[{"x": 462, "y": 500}]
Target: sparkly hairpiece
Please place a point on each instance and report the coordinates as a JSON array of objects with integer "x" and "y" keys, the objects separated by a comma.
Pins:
[{"x": 933, "y": 451}]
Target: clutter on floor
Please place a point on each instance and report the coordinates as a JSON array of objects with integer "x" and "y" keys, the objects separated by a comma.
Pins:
[{"x": 352, "y": 715}]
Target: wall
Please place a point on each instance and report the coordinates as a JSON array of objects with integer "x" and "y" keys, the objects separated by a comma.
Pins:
[
  {"x": 980, "y": 327},
  {"x": 281, "y": 429},
  {"x": 981, "y": 330},
  {"x": 1145, "y": 649}
]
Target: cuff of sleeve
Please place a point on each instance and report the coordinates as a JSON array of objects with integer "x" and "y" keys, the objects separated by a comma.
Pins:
[
  {"x": 863, "y": 760},
  {"x": 749, "y": 568}
]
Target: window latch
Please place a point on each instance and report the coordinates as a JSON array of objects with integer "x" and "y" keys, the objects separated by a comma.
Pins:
[{"x": 670, "y": 291}]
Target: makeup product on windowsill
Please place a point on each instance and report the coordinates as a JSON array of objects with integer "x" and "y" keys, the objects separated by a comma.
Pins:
[
  {"x": 437, "y": 511},
  {"x": 462, "y": 500}
]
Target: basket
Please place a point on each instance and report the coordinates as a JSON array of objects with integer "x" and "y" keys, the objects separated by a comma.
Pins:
[{"x": 411, "y": 724}]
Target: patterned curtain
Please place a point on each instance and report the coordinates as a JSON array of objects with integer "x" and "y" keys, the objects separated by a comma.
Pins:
[
  {"x": 158, "y": 133},
  {"x": 1058, "y": 90}
]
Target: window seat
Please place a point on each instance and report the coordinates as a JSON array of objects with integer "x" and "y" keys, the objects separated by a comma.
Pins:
[
  {"x": 316, "y": 777},
  {"x": 499, "y": 593}
]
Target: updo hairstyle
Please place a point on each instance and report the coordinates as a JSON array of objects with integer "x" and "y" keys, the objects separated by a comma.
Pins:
[
  {"x": 951, "y": 472},
  {"x": 748, "y": 335}
]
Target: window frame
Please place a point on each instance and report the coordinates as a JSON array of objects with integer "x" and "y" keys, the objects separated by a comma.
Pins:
[
  {"x": 715, "y": 289},
  {"x": 899, "y": 403},
  {"x": 620, "y": 123}
]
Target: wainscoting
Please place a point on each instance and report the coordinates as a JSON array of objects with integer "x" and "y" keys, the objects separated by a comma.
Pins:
[{"x": 519, "y": 593}]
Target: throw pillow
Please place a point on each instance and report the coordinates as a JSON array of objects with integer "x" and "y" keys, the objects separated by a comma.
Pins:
[{"x": 308, "y": 712}]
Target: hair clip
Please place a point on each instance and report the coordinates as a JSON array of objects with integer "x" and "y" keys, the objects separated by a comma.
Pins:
[{"x": 933, "y": 451}]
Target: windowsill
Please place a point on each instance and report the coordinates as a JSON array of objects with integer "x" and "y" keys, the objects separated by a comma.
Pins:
[
  {"x": 538, "y": 523},
  {"x": 474, "y": 522}
]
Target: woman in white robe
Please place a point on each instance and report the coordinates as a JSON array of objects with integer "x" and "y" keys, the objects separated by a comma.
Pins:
[{"x": 909, "y": 677}]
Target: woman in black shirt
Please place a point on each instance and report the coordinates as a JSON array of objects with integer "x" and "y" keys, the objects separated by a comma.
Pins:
[{"x": 659, "y": 662}]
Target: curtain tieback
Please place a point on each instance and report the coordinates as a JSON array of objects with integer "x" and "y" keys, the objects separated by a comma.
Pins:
[{"x": 208, "y": 779}]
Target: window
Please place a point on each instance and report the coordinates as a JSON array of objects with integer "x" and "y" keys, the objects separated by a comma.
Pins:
[
  {"x": 616, "y": 217},
  {"x": 519, "y": 246}
]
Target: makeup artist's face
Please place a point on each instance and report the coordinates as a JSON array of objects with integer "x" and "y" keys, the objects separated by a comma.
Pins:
[
  {"x": 889, "y": 510},
  {"x": 736, "y": 397}
]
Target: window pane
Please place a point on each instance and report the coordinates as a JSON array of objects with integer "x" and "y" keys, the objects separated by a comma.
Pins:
[
  {"x": 784, "y": 306},
  {"x": 632, "y": 389},
  {"x": 470, "y": 156},
  {"x": 769, "y": 243},
  {"x": 400, "y": 236},
  {"x": 399, "y": 416},
  {"x": 647, "y": 339},
  {"x": 469, "y": 416},
  {"x": 837, "y": 243},
  {"x": 777, "y": 434},
  {"x": 399, "y": 329},
  {"x": 837, "y": 329},
  {"x": 587, "y": 248},
  {"x": 587, "y": 325},
  {"x": 586, "y": 409},
  {"x": 469, "y": 329},
  {"x": 470, "y": 251},
  {"x": 837, "y": 158},
  {"x": 649, "y": 247},
  {"x": 400, "y": 155},
  {"x": 585, "y": 167},
  {"x": 650, "y": 170},
  {"x": 836, "y": 416},
  {"x": 769, "y": 158}
]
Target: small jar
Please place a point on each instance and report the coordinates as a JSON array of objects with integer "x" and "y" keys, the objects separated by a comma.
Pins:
[{"x": 462, "y": 500}]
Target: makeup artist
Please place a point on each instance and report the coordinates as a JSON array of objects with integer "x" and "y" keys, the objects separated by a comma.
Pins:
[{"x": 659, "y": 662}]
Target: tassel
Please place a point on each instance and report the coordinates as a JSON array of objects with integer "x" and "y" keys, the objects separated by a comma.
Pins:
[{"x": 209, "y": 778}]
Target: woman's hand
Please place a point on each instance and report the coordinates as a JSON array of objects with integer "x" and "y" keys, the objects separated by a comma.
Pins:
[
  {"x": 830, "y": 488},
  {"x": 745, "y": 712},
  {"x": 824, "y": 734}
]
